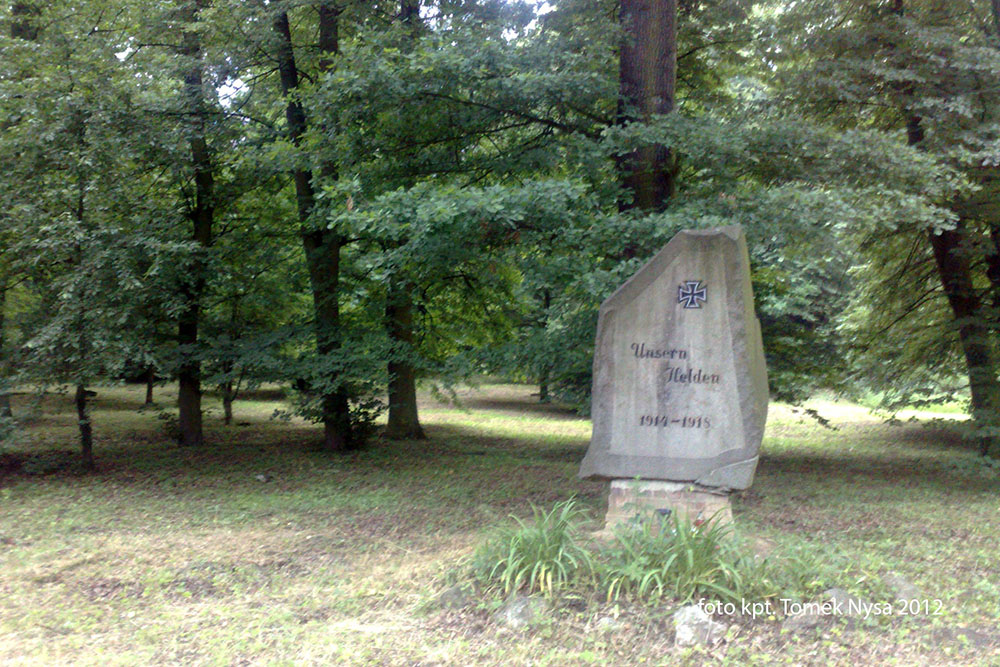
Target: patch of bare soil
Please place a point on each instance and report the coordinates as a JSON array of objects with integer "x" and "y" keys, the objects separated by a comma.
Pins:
[{"x": 100, "y": 589}]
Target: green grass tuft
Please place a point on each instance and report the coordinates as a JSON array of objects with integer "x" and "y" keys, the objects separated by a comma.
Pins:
[{"x": 541, "y": 555}]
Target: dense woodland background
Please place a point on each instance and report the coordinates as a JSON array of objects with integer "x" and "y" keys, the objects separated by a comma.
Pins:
[{"x": 348, "y": 197}]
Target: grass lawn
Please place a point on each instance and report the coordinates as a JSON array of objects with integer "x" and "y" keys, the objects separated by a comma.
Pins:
[{"x": 171, "y": 555}]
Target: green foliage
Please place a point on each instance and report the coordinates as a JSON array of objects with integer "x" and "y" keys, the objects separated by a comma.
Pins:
[
  {"x": 677, "y": 559},
  {"x": 542, "y": 555},
  {"x": 670, "y": 558},
  {"x": 470, "y": 163}
]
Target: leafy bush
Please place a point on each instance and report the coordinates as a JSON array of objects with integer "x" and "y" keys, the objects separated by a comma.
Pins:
[
  {"x": 683, "y": 561},
  {"x": 543, "y": 554}
]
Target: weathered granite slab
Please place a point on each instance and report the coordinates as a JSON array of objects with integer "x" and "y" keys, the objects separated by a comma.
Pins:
[{"x": 680, "y": 386}]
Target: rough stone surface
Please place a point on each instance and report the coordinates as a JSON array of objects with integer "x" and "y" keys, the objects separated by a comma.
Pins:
[
  {"x": 901, "y": 588},
  {"x": 801, "y": 622},
  {"x": 454, "y": 597},
  {"x": 693, "y": 627},
  {"x": 630, "y": 501},
  {"x": 680, "y": 385},
  {"x": 844, "y": 604},
  {"x": 521, "y": 612}
]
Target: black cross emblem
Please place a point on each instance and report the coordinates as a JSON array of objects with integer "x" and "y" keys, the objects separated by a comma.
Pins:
[{"x": 690, "y": 293}]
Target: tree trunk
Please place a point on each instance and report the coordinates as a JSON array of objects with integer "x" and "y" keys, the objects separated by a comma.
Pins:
[
  {"x": 227, "y": 402},
  {"x": 647, "y": 78},
  {"x": 546, "y": 372},
  {"x": 202, "y": 217},
  {"x": 404, "y": 418},
  {"x": 22, "y": 27},
  {"x": 83, "y": 421},
  {"x": 321, "y": 245},
  {"x": 973, "y": 331},
  {"x": 150, "y": 380},
  {"x": 5, "y": 411},
  {"x": 404, "y": 421},
  {"x": 996, "y": 18}
]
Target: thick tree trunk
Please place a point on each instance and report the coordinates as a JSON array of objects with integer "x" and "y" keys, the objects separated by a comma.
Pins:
[
  {"x": 951, "y": 253},
  {"x": 404, "y": 421},
  {"x": 543, "y": 387},
  {"x": 647, "y": 79},
  {"x": 202, "y": 217},
  {"x": 150, "y": 381},
  {"x": 22, "y": 27},
  {"x": 404, "y": 417},
  {"x": 321, "y": 245},
  {"x": 83, "y": 422},
  {"x": 973, "y": 331}
]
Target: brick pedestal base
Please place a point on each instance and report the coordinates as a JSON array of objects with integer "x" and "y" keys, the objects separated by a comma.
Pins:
[{"x": 630, "y": 499}]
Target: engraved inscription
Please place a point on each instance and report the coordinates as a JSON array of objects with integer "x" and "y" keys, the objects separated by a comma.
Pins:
[
  {"x": 665, "y": 421},
  {"x": 669, "y": 374}
]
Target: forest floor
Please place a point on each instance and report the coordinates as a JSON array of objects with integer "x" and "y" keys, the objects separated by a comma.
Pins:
[{"x": 181, "y": 556}]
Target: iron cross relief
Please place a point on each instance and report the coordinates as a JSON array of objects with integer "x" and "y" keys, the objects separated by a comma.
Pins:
[{"x": 690, "y": 293}]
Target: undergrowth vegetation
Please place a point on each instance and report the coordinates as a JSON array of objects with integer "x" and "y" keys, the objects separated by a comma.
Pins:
[
  {"x": 544, "y": 554},
  {"x": 659, "y": 557},
  {"x": 674, "y": 557}
]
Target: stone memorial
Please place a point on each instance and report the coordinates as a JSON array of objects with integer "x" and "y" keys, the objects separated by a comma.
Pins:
[{"x": 680, "y": 385}]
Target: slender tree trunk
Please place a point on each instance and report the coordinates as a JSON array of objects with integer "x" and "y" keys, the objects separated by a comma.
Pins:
[
  {"x": 404, "y": 421},
  {"x": 86, "y": 432},
  {"x": 5, "y": 411},
  {"x": 227, "y": 402},
  {"x": 150, "y": 380},
  {"x": 546, "y": 372},
  {"x": 321, "y": 245},
  {"x": 202, "y": 217},
  {"x": 647, "y": 80}
]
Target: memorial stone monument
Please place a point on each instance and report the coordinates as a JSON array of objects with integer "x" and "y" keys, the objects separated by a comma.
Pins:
[{"x": 680, "y": 386}]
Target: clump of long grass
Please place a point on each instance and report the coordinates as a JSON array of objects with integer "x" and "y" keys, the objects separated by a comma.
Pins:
[
  {"x": 543, "y": 554},
  {"x": 662, "y": 558},
  {"x": 675, "y": 558}
]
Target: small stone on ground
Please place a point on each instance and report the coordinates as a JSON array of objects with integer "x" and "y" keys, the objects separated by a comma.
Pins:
[
  {"x": 844, "y": 604},
  {"x": 805, "y": 621},
  {"x": 521, "y": 612},
  {"x": 694, "y": 628},
  {"x": 901, "y": 588},
  {"x": 454, "y": 597}
]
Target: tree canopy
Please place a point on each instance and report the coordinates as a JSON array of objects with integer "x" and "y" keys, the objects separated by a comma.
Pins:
[{"x": 350, "y": 198}]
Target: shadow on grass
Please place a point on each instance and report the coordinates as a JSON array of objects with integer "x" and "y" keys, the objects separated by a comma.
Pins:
[
  {"x": 526, "y": 467},
  {"x": 868, "y": 472},
  {"x": 456, "y": 463},
  {"x": 521, "y": 406}
]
